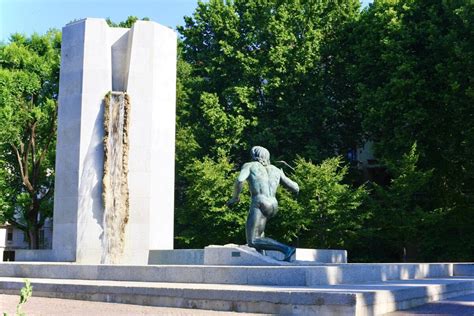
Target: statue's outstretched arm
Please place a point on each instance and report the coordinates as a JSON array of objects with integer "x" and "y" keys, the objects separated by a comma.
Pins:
[
  {"x": 288, "y": 183},
  {"x": 239, "y": 184}
]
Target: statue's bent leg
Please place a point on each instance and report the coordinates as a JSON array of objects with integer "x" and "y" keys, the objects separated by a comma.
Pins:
[
  {"x": 265, "y": 243},
  {"x": 255, "y": 227}
]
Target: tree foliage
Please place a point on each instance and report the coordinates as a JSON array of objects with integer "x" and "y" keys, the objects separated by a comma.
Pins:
[
  {"x": 327, "y": 212},
  {"x": 260, "y": 62},
  {"x": 204, "y": 218},
  {"x": 414, "y": 83},
  {"x": 397, "y": 213},
  {"x": 29, "y": 76}
]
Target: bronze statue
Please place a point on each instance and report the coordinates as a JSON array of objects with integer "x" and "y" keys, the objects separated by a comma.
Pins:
[{"x": 263, "y": 179}]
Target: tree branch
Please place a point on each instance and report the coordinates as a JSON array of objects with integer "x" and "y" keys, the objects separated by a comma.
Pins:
[
  {"x": 25, "y": 153},
  {"x": 48, "y": 140},
  {"x": 32, "y": 149},
  {"x": 32, "y": 142},
  {"x": 18, "y": 157},
  {"x": 21, "y": 165}
]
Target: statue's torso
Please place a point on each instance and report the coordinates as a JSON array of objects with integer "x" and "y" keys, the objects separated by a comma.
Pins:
[{"x": 264, "y": 181}]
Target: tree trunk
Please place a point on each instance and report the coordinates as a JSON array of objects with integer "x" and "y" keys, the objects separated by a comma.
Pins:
[
  {"x": 33, "y": 232},
  {"x": 33, "y": 227}
]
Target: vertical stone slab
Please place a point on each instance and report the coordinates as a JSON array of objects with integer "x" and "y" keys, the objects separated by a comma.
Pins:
[
  {"x": 139, "y": 86},
  {"x": 84, "y": 80},
  {"x": 97, "y": 77},
  {"x": 163, "y": 139},
  {"x": 152, "y": 91},
  {"x": 68, "y": 147}
]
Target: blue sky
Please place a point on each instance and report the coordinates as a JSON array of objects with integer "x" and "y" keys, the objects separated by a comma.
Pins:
[{"x": 29, "y": 16}]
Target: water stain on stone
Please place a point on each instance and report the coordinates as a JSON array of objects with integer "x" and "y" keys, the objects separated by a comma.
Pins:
[{"x": 115, "y": 190}]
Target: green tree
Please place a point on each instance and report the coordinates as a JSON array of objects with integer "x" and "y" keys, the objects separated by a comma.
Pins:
[
  {"x": 327, "y": 212},
  {"x": 413, "y": 74},
  {"x": 204, "y": 218},
  {"x": 262, "y": 62},
  {"x": 398, "y": 213},
  {"x": 29, "y": 76}
]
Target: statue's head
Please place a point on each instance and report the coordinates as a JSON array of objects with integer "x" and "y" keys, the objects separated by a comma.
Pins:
[{"x": 261, "y": 155}]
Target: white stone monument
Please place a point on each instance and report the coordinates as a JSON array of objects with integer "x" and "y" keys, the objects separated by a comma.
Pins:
[{"x": 139, "y": 65}]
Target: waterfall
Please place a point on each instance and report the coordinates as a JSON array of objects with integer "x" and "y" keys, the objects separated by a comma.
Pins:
[{"x": 115, "y": 192}]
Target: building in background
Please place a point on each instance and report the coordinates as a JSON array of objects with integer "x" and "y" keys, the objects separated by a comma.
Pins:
[
  {"x": 12, "y": 238},
  {"x": 363, "y": 157}
]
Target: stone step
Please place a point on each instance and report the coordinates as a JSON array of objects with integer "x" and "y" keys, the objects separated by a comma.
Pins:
[
  {"x": 353, "y": 299},
  {"x": 330, "y": 274}
]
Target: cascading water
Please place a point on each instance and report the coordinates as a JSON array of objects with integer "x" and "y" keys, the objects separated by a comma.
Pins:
[{"x": 115, "y": 192}]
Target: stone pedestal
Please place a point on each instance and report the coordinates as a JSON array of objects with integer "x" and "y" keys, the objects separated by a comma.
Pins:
[
  {"x": 97, "y": 59},
  {"x": 246, "y": 256},
  {"x": 235, "y": 255}
]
